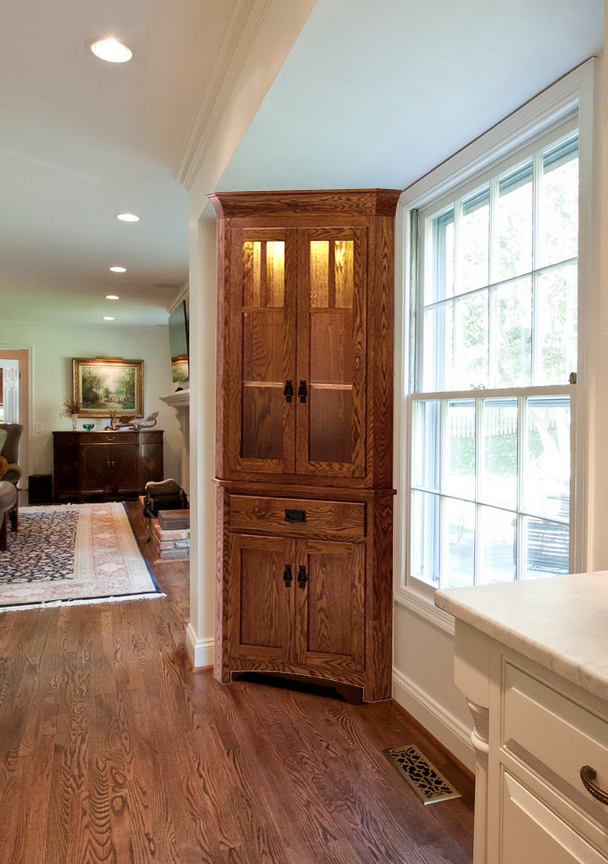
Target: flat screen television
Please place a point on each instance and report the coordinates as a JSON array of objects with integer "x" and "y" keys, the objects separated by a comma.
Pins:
[{"x": 178, "y": 342}]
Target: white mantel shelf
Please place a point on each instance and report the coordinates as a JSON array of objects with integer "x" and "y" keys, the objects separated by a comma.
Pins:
[
  {"x": 179, "y": 399},
  {"x": 560, "y": 622}
]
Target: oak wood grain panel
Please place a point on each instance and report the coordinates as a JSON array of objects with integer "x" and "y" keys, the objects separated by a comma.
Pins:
[
  {"x": 294, "y": 203},
  {"x": 332, "y": 519},
  {"x": 331, "y": 623},
  {"x": 381, "y": 342},
  {"x": 379, "y": 601}
]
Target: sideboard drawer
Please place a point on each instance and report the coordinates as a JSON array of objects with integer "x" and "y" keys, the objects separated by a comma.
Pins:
[
  {"x": 554, "y": 735},
  {"x": 296, "y": 517}
]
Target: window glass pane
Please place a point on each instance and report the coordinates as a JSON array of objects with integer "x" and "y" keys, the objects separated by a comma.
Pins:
[
  {"x": 558, "y": 205},
  {"x": 263, "y": 273},
  {"x": 514, "y": 330},
  {"x": 514, "y": 224},
  {"x": 497, "y": 546},
  {"x": 319, "y": 273},
  {"x": 425, "y": 537},
  {"x": 438, "y": 363},
  {"x": 470, "y": 369},
  {"x": 473, "y": 242},
  {"x": 547, "y": 459},
  {"x": 556, "y": 334},
  {"x": 425, "y": 444},
  {"x": 458, "y": 544},
  {"x": 546, "y": 548},
  {"x": 498, "y": 469},
  {"x": 460, "y": 457},
  {"x": 344, "y": 269},
  {"x": 441, "y": 282}
]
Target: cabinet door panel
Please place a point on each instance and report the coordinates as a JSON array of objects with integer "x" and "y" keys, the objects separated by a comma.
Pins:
[
  {"x": 262, "y": 350},
  {"x": 124, "y": 468},
  {"x": 96, "y": 467},
  {"x": 331, "y": 605},
  {"x": 331, "y": 351},
  {"x": 260, "y": 605},
  {"x": 531, "y": 831}
]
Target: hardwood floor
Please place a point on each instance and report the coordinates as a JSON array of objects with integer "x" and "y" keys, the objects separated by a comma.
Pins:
[{"x": 112, "y": 749}]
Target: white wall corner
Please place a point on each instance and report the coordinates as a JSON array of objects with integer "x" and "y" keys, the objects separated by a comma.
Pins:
[
  {"x": 446, "y": 728},
  {"x": 200, "y": 650}
]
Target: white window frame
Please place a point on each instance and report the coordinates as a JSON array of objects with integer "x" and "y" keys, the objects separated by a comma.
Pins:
[{"x": 575, "y": 92}]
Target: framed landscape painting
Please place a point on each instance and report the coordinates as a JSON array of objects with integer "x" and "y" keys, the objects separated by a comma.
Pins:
[{"x": 106, "y": 384}]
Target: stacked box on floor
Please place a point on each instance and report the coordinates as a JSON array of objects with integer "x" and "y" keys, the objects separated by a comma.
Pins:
[{"x": 170, "y": 534}]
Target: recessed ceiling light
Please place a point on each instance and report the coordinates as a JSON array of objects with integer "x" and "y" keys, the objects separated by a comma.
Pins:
[
  {"x": 127, "y": 217},
  {"x": 118, "y": 269},
  {"x": 111, "y": 50},
  {"x": 107, "y": 318},
  {"x": 112, "y": 297}
]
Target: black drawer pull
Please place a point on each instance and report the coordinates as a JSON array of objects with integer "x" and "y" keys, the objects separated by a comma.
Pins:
[
  {"x": 302, "y": 576},
  {"x": 588, "y": 775},
  {"x": 295, "y": 515},
  {"x": 287, "y": 576}
]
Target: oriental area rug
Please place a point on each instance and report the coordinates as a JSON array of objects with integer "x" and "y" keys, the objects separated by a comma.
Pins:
[{"x": 73, "y": 553}]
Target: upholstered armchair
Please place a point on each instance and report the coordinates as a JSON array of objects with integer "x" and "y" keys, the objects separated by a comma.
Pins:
[{"x": 10, "y": 451}]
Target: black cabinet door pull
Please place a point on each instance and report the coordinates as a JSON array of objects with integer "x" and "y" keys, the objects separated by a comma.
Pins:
[
  {"x": 302, "y": 391},
  {"x": 302, "y": 576},
  {"x": 295, "y": 515},
  {"x": 287, "y": 576},
  {"x": 288, "y": 391}
]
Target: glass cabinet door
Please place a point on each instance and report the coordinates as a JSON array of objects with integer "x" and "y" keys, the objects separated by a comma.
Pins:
[
  {"x": 264, "y": 291},
  {"x": 331, "y": 351}
]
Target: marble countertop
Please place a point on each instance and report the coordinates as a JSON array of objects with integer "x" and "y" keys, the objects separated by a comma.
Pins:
[{"x": 560, "y": 622}]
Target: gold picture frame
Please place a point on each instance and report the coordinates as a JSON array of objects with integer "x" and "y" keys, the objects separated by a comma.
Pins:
[{"x": 104, "y": 385}]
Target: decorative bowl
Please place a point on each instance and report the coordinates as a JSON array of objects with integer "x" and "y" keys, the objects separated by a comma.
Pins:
[{"x": 88, "y": 426}]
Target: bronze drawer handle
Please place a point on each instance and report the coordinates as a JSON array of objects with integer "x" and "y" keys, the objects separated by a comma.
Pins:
[{"x": 588, "y": 775}]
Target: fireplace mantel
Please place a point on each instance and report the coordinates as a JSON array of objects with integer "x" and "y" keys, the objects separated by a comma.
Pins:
[{"x": 178, "y": 399}]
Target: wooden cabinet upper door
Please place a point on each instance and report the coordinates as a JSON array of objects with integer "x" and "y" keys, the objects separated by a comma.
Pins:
[
  {"x": 258, "y": 600},
  {"x": 330, "y": 606},
  {"x": 331, "y": 344},
  {"x": 260, "y": 346}
]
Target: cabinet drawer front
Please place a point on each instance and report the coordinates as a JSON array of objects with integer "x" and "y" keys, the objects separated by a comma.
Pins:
[
  {"x": 295, "y": 517},
  {"x": 534, "y": 832},
  {"x": 554, "y": 735}
]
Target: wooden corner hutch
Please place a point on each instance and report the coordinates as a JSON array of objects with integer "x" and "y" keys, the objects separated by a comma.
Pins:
[{"x": 304, "y": 435}]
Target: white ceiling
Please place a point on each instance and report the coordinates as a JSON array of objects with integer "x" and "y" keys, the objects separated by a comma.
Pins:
[
  {"x": 82, "y": 140},
  {"x": 376, "y": 94},
  {"x": 372, "y": 94}
]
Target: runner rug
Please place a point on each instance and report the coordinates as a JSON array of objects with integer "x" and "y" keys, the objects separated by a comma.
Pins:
[{"x": 73, "y": 553}]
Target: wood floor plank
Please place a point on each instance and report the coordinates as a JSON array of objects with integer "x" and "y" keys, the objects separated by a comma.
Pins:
[{"x": 114, "y": 750}]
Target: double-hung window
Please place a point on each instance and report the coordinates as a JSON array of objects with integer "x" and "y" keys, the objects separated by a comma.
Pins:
[{"x": 493, "y": 368}]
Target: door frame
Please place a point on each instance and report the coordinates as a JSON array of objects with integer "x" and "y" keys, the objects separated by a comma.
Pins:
[{"x": 23, "y": 356}]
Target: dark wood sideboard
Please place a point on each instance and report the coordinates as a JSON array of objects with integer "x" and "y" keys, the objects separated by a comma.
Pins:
[{"x": 112, "y": 464}]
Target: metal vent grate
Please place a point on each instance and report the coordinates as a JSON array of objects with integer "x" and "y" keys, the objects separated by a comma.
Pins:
[{"x": 426, "y": 781}]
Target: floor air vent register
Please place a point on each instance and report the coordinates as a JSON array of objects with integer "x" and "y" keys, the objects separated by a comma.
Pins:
[{"x": 426, "y": 781}]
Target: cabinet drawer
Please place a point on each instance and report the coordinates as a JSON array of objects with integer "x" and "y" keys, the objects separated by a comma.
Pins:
[
  {"x": 554, "y": 735},
  {"x": 296, "y": 517}
]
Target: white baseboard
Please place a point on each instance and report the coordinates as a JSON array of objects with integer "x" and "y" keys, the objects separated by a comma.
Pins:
[
  {"x": 200, "y": 650},
  {"x": 448, "y": 730}
]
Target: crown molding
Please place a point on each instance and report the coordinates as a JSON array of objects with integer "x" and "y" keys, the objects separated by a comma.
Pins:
[{"x": 232, "y": 52}]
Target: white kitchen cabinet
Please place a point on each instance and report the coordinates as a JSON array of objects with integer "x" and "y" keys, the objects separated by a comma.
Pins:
[{"x": 532, "y": 661}]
